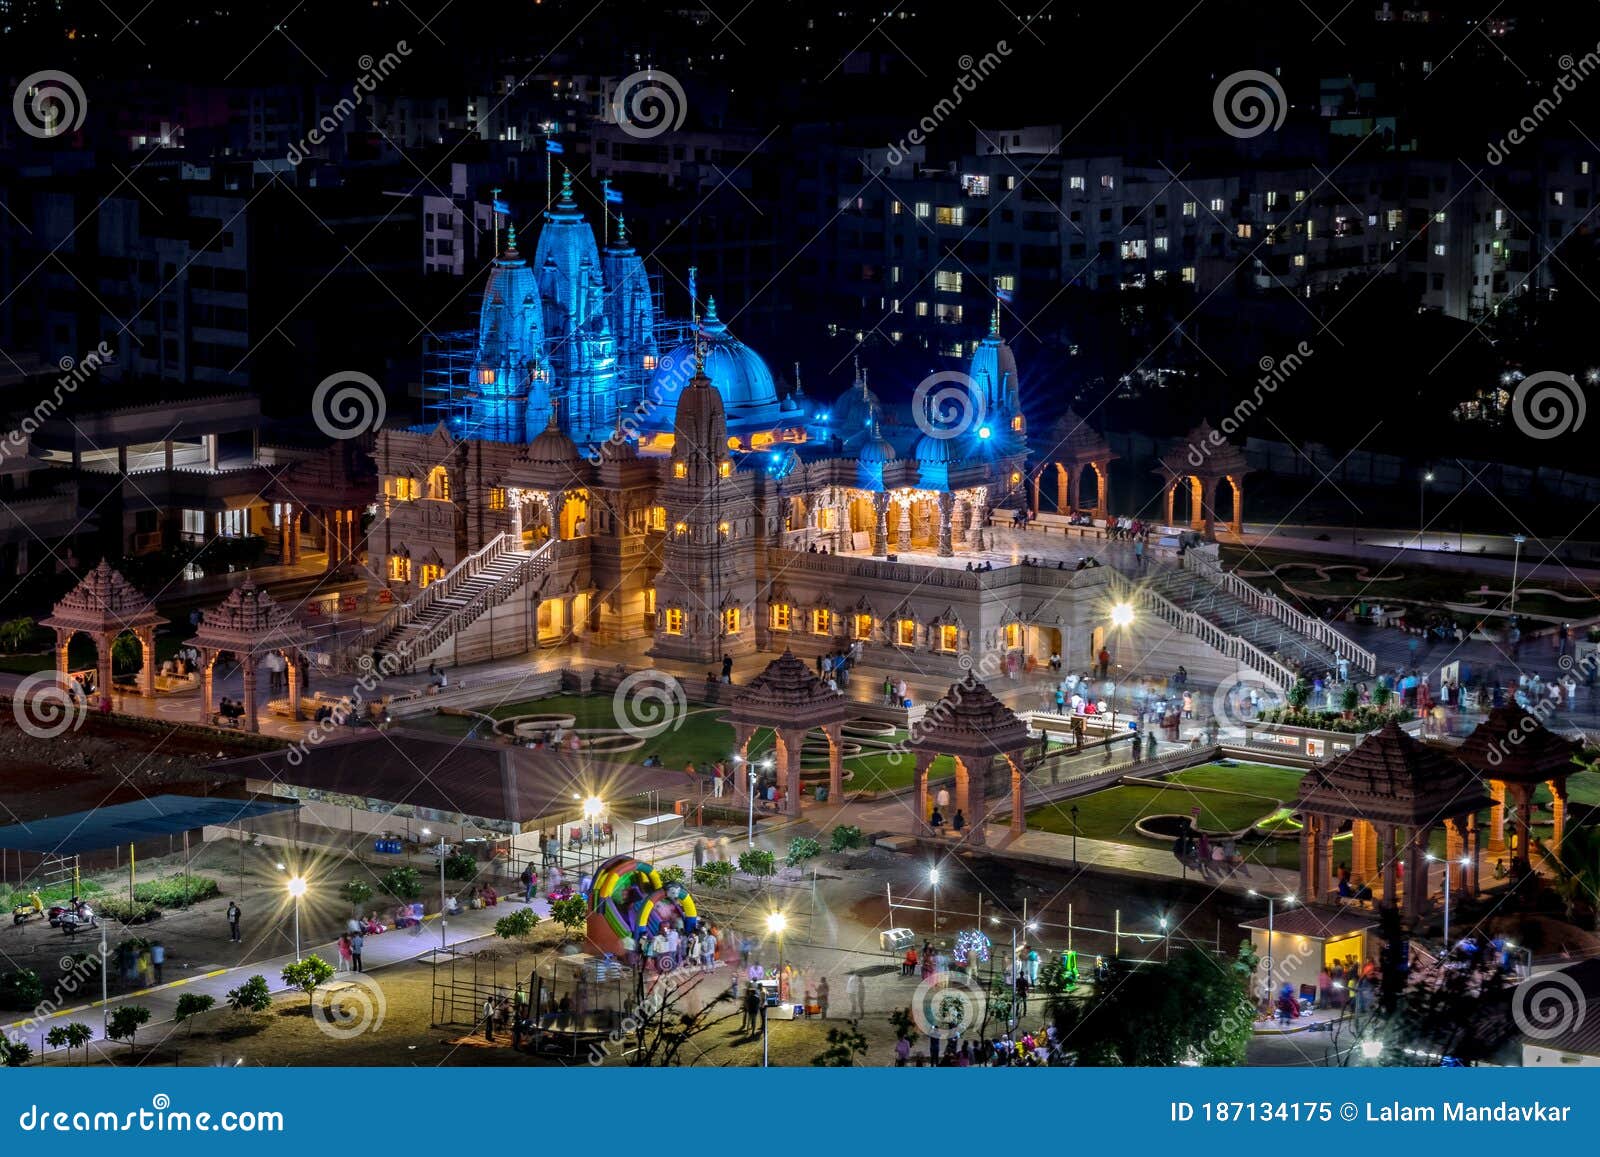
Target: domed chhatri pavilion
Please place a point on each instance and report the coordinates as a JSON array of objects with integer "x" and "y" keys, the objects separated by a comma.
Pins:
[
  {"x": 1393, "y": 790},
  {"x": 1515, "y": 753},
  {"x": 1075, "y": 447},
  {"x": 790, "y": 700},
  {"x": 1199, "y": 465},
  {"x": 249, "y": 626},
  {"x": 103, "y": 606},
  {"x": 978, "y": 731}
]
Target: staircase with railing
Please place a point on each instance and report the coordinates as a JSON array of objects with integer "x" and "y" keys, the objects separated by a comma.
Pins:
[
  {"x": 1146, "y": 597},
  {"x": 484, "y": 579}
]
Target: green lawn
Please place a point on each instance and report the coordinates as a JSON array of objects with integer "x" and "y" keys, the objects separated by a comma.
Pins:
[{"x": 1110, "y": 814}]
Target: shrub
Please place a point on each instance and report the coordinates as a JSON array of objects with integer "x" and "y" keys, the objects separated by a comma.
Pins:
[
  {"x": 69, "y": 1036},
  {"x": 21, "y": 989},
  {"x": 801, "y": 849},
  {"x": 672, "y": 875},
  {"x": 459, "y": 866},
  {"x": 358, "y": 892},
  {"x": 1351, "y": 699},
  {"x": 125, "y": 911},
  {"x": 306, "y": 975},
  {"x": 403, "y": 883},
  {"x": 716, "y": 874},
  {"x": 758, "y": 863},
  {"x": 571, "y": 914},
  {"x": 125, "y": 1021},
  {"x": 251, "y": 996},
  {"x": 177, "y": 891},
  {"x": 190, "y": 1005},
  {"x": 846, "y": 836},
  {"x": 1299, "y": 694},
  {"x": 15, "y": 1054},
  {"x": 520, "y": 923}
]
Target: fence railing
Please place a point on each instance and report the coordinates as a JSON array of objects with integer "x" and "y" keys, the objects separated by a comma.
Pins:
[{"x": 1242, "y": 651}]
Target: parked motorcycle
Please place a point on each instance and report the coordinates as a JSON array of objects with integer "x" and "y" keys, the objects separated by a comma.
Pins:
[
  {"x": 22, "y": 913},
  {"x": 71, "y": 917}
]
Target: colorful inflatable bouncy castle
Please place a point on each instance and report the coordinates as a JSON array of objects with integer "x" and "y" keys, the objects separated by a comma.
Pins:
[{"x": 629, "y": 898}]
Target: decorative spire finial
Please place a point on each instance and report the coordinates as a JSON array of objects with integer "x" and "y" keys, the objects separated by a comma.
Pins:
[
  {"x": 622, "y": 231},
  {"x": 566, "y": 184},
  {"x": 511, "y": 237}
]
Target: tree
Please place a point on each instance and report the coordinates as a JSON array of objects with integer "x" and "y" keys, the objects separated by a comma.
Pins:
[
  {"x": 518, "y": 925},
  {"x": 357, "y": 891},
  {"x": 125, "y": 1022},
  {"x": 844, "y": 1046},
  {"x": 1579, "y": 864},
  {"x": 69, "y": 1036},
  {"x": 21, "y": 989},
  {"x": 15, "y": 1054},
  {"x": 666, "y": 1020},
  {"x": 758, "y": 864},
  {"x": 460, "y": 866},
  {"x": 1300, "y": 694},
  {"x": 191, "y": 1005},
  {"x": 403, "y": 882},
  {"x": 127, "y": 653},
  {"x": 904, "y": 1025},
  {"x": 15, "y": 632},
  {"x": 716, "y": 874},
  {"x": 572, "y": 915},
  {"x": 1458, "y": 1007},
  {"x": 251, "y": 996},
  {"x": 307, "y": 975},
  {"x": 801, "y": 849}
]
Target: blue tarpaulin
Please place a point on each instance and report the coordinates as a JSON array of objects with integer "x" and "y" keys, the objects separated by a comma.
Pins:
[{"x": 126, "y": 823}]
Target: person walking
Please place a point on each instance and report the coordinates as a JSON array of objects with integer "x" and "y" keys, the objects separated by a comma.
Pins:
[
  {"x": 344, "y": 952},
  {"x": 143, "y": 965},
  {"x": 490, "y": 1008},
  {"x": 752, "y": 1009},
  {"x": 158, "y": 957},
  {"x": 822, "y": 997},
  {"x": 856, "y": 990},
  {"x": 959, "y": 823},
  {"x": 530, "y": 883},
  {"x": 357, "y": 942},
  {"x": 233, "y": 921},
  {"x": 1022, "y": 995}
]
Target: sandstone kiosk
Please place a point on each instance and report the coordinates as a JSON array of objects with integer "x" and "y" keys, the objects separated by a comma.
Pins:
[
  {"x": 103, "y": 606},
  {"x": 1394, "y": 790},
  {"x": 1516, "y": 753},
  {"x": 788, "y": 698},
  {"x": 1201, "y": 463},
  {"x": 250, "y": 626},
  {"x": 973, "y": 727},
  {"x": 1075, "y": 446}
]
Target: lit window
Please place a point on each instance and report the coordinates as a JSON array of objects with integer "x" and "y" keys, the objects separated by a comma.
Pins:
[
  {"x": 863, "y": 627},
  {"x": 950, "y": 215},
  {"x": 1107, "y": 181},
  {"x": 674, "y": 620},
  {"x": 1244, "y": 230},
  {"x": 681, "y": 529},
  {"x": 1016, "y": 424},
  {"x": 723, "y": 528},
  {"x": 497, "y": 498},
  {"x": 439, "y": 484},
  {"x": 1013, "y": 634},
  {"x": 1558, "y": 196},
  {"x": 1161, "y": 243},
  {"x": 680, "y": 470},
  {"x": 949, "y": 637},
  {"x": 731, "y": 618},
  {"x": 725, "y": 469},
  {"x": 923, "y": 208},
  {"x": 1299, "y": 195},
  {"x": 1189, "y": 208},
  {"x": 1133, "y": 250},
  {"x": 1075, "y": 183},
  {"x": 946, "y": 281},
  {"x": 1217, "y": 204},
  {"x": 1439, "y": 217},
  {"x": 1187, "y": 274},
  {"x": 399, "y": 568},
  {"x": 821, "y": 621},
  {"x": 1272, "y": 198},
  {"x": 1006, "y": 282},
  {"x": 1299, "y": 260},
  {"x": 658, "y": 518},
  {"x": 894, "y": 278},
  {"x": 486, "y": 376},
  {"x": 1438, "y": 250},
  {"x": 430, "y": 572},
  {"x": 406, "y": 489},
  {"x": 649, "y": 361},
  {"x": 895, "y": 208},
  {"x": 922, "y": 309},
  {"x": 907, "y": 632},
  {"x": 781, "y": 615}
]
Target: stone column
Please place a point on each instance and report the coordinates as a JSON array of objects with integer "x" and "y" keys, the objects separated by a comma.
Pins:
[
  {"x": 208, "y": 662},
  {"x": 1063, "y": 491},
  {"x": 1172, "y": 499},
  {"x": 63, "y": 665},
  {"x": 972, "y": 796},
  {"x": 102, "y": 651},
  {"x": 1497, "y": 818},
  {"x": 947, "y": 504},
  {"x": 252, "y": 721},
  {"x": 1038, "y": 479},
  {"x": 1236, "y": 523},
  {"x": 902, "y": 531},
  {"x": 514, "y": 508},
  {"x": 741, "y": 746},
  {"x": 1388, "y": 853},
  {"x": 1308, "y": 856},
  {"x": 1074, "y": 486},
  {"x": 1455, "y": 853},
  {"x": 1019, "y": 817},
  {"x": 1208, "y": 506},
  {"x": 1558, "y": 813},
  {"x": 1324, "y": 881},
  {"x": 919, "y": 777},
  {"x": 880, "y": 529},
  {"x": 835, "y": 734},
  {"x": 789, "y": 769},
  {"x": 147, "y": 650},
  {"x": 558, "y": 499},
  {"x": 1102, "y": 498},
  {"x": 1522, "y": 795},
  {"x": 292, "y": 670},
  {"x": 975, "y": 531}
]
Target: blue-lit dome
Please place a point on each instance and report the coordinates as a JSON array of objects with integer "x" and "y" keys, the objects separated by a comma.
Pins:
[
  {"x": 875, "y": 453},
  {"x": 749, "y": 393},
  {"x": 856, "y": 410}
]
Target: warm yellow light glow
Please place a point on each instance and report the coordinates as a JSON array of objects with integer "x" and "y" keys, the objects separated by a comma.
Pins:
[
  {"x": 1121, "y": 615},
  {"x": 592, "y": 808},
  {"x": 297, "y": 886},
  {"x": 776, "y": 922}
]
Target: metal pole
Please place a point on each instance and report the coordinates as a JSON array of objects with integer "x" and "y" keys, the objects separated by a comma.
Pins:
[
  {"x": 442, "y": 934},
  {"x": 1069, "y": 925},
  {"x": 765, "y": 1061},
  {"x": 750, "y": 831},
  {"x": 297, "y": 929},
  {"x": 1516, "y": 559},
  {"x": 1270, "y": 909},
  {"x": 1116, "y": 943},
  {"x": 1448, "y": 866}
]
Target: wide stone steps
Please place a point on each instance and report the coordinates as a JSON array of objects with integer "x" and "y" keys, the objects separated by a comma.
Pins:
[{"x": 1280, "y": 640}]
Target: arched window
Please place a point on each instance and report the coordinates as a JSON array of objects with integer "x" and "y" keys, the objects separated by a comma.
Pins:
[{"x": 439, "y": 484}]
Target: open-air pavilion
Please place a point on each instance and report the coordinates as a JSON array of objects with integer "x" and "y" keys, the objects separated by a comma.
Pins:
[
  {"x": 103, "y": 606},
  {"x": 974, "y": 728},
  {"x": 1515, "y": 752},
  {"x": 250, "y": 626},
  {"x": 792, "y": 701}
]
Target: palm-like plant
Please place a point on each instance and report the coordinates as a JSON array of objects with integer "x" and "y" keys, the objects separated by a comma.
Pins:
[{"x": 127, "y": 653}]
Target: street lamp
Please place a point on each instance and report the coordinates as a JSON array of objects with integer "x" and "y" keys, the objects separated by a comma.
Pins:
[
  {"x": 1422, "y": 500},
  {"x": 776, "y": 923},
  {"x": 933, "y": 878},
  {"x": 1371, "y": 1049},
  {"x": 297, "y": 888},
  {"x": 1449, "y": 870},
  {"x": 1516, "y": 559},
  {"x": 750, "y": 829},
  {"x": 1166, "y": 940},
  {"x": 439, "y": 850},
  {"x": 1272, "y": 902},
  {"x": 593, "y": 809}
]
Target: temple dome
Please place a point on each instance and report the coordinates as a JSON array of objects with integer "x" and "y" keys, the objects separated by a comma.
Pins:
[
  {"x": 552, "y": 447},
  {"x": 856, "y": 409},
  {"x": 739, "y": 374}
]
